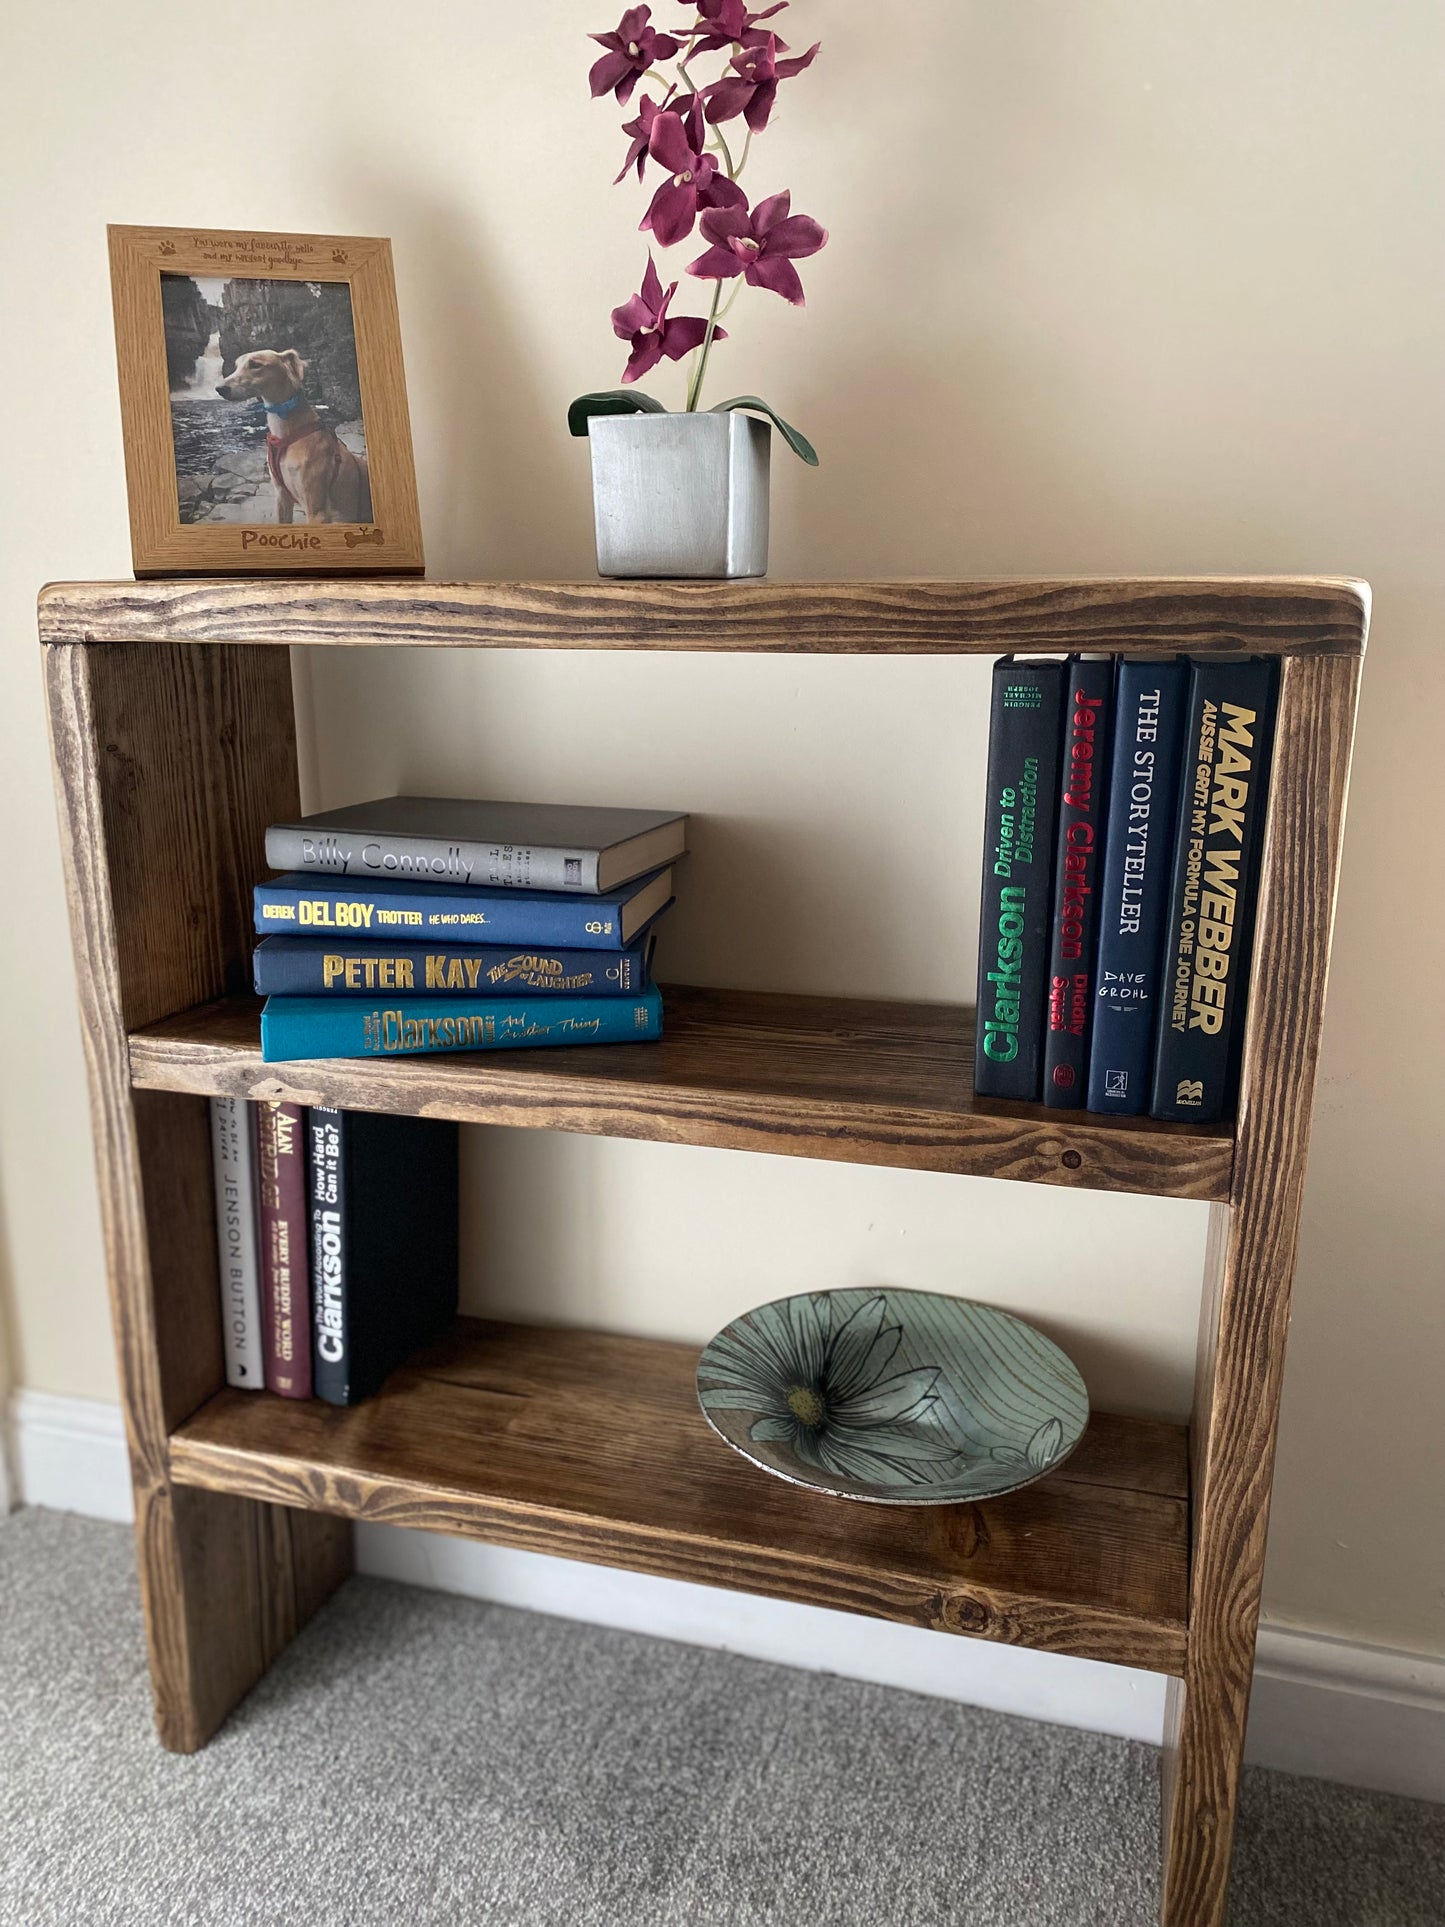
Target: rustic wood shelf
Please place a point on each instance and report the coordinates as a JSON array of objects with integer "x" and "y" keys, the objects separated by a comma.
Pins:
[
  {"x": 1129, "y": 615},
  {"x": 171, "y": 760},
  {"x": 593, "y": 1447},
  {"x": 850, "y": 1079}
]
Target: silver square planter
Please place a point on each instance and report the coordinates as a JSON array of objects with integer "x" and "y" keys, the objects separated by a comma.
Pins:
[{"x": 680, "y": 494}]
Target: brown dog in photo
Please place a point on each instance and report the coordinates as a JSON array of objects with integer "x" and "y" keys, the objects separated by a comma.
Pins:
[{"x": 313, "y": 470}]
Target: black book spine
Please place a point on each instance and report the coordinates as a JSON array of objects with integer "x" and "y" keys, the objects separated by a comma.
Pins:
[
  {"x": 1210, "y": 927},
  {"x": 1018, "y": 862},
  {"x": 330, "y": 1311},
  {"x": 1074, "y": 924}
]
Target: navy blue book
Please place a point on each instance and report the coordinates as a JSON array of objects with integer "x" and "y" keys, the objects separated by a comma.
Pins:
[
  {"x": 1020, "y": 815},
  {"x": 1210, "y": 927},
  {"x": 383, "y": 1205},
  {"x": 293, "y": 1027},
  {"x": 303, "y": 905},
  {"x": 1149, "y": 703},
  {"x": 1074, "y": 921},
  {"x": 322, "y": 966}
]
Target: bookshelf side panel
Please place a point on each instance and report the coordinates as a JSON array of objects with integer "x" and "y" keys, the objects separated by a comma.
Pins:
[
  {"x": 165, "y": 777},
  {"x": 1247, "y": 1290},
  {"x": 195, "y": 753}
]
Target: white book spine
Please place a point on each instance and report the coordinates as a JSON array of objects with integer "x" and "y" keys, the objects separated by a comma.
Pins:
[{"x": 238, "y": 1245}]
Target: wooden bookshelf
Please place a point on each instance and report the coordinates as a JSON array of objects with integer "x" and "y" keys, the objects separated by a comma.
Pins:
[{"x": 174, "y": 746}]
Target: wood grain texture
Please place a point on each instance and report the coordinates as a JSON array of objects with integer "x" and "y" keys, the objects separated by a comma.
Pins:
[
  {"x": 1247, "y": 1296},
  {"x": 195, "y": 756},
  {"x": 160, "y": 542},
  {"x": 593, "y": 1447},
  {"x": 855, "y": 1080},
  {"x": 148, "y": 756},
  {"x": 1131, "y": 616}
]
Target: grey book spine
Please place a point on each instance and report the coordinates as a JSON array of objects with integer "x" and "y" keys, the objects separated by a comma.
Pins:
[
  {"x": 233, "y": 1156},
  {"x": 433, "y": 859}
]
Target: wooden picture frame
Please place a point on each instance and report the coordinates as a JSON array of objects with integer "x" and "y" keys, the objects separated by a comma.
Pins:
[{"x": 219, "y": 484}]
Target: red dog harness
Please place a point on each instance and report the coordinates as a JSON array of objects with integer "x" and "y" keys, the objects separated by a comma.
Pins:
[{"x": 275, "y": 447}]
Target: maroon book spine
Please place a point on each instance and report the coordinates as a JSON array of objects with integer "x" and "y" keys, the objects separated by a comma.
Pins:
[{"x": 285, "y": 1240}]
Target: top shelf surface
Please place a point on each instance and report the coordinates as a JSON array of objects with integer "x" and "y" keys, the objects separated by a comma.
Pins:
[{"x": 1127, "y": 615}]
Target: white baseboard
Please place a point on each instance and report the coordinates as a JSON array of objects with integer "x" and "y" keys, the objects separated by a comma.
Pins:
[
  {"x": 1338, "y": 1709},
  {"x": 69, "y": 1454},
  {"x": 1331, "y": 1708}
]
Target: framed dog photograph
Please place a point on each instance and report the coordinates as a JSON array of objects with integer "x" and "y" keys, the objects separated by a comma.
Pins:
[{"x": 263, "y": 404}]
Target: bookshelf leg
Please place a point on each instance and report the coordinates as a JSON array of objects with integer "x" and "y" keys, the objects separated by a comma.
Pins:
[
  {"x": 170, "y": 763},
  {"x": 1248, "y": 1273},
  {"x": 1203, "y": 1747},
  {"x": 226, "y": 1584}
]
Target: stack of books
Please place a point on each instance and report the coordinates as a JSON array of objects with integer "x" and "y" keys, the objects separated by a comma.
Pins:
[
  {"x": 1122, "y": 854},
  {"x": 431, "y": 924},
  {"x": 327, "y": 1281}
]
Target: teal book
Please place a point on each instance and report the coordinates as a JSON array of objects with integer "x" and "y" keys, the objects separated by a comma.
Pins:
[{"x": 293, "y": 1027}]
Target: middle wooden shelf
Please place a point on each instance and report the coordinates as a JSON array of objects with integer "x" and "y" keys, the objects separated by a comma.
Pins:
[{"x": 855, "y": 1080}]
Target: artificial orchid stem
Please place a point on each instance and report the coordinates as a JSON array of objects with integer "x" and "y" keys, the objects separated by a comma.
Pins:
[{"x": 694, "y": 387}]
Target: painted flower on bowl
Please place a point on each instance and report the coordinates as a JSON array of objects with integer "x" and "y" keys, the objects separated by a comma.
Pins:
[{"x": 828, "y": 1397}]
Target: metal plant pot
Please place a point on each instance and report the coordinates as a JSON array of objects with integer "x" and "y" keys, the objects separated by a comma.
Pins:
[{"x": 680, "y": 494}]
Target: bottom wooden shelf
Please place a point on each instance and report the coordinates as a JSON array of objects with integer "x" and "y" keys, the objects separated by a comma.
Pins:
[{"x": 592, "y": 1447}]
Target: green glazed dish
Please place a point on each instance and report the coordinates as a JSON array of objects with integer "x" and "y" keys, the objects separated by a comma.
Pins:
[{"x": 895, "y": 1397}]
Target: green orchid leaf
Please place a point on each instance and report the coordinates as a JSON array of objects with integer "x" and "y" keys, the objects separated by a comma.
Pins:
[
  {"x": 799, "y": 444},
  {"x": 610, "y": 401}
]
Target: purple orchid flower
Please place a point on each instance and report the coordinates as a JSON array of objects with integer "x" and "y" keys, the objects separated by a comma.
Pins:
[
  {"x": 631, "y": 50},
  {"x": 653, "y": 333},
  {"x": 753, "y": 87},
  {"x": 640, "y": 129},
  {"x": 696, "y": 179},
  {"x": 760, "y": 245},
  {"x": 731, "y": 25}
]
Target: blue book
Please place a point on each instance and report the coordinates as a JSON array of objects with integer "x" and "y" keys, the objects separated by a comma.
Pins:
[
  {"x": 293, "y": 1027},
  {"x": 384, "y": 908},
  {"x": 336, "y": 967},
  {"x": 1150, "y": 701}
]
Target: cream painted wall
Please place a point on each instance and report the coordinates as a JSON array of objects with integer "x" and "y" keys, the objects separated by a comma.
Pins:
[{"x": 1122, "y": 287}]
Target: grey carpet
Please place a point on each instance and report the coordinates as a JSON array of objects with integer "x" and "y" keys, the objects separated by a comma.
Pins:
[{"x": 422, "y": 1761}]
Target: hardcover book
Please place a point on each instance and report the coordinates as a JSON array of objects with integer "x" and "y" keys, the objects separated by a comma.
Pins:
[
  {"x": 513, "y": 846},
  {"x": 1018, "y": 859},
  {"x": 1210, "y": 926},
  {"x": 233, "y": 1160},
  {"x": 383, "y": 1194},
  {"x": 285, "y": 1236},
  {"x": 318, "y": 966},
  {"x": 1083, "y": 797},
  {"x": 293, "y": 1027},
  {"x": 1149, "y": 707},
  {"x": 387, "y": 909}
]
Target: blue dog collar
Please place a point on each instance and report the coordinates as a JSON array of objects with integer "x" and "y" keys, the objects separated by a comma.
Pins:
[{"x": 282, "y": 408}]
